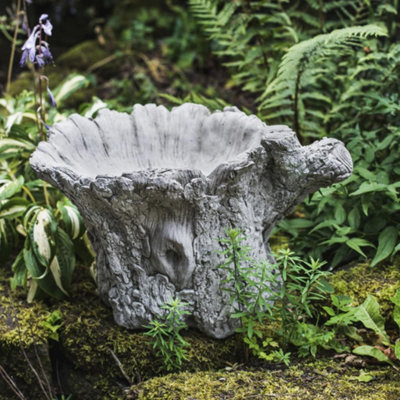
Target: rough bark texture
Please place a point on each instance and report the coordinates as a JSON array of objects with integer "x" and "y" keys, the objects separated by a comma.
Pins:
[{"x": 157, "y": 188}]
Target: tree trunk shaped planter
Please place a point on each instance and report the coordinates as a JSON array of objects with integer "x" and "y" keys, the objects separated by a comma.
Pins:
[{"x": 156, "y": 189}]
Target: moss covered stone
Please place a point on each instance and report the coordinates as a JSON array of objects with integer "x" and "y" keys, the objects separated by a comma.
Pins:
[
  {"x": 360, "y": 280},
  {"x": 92, "y": 351},
  {"x": 82, "y": 56},
  {"x": 23, "y": 341},
  {"x": 90, "y": 343},
  {"x": 90, "y": 337},
  {"x": 316, "y": 380}
]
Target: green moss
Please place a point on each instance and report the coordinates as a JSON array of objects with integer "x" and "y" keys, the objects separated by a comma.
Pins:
[
  {"x": 360, "y": 280},
  {"x": 82, "y": 56},
  {"x": 89, "y": 333},
  {"x": 317, "y": 380},
  {"x": 89, "y": 339},
  {"x": 21, "y": 322},
  {"x": 278, "y": 242}
]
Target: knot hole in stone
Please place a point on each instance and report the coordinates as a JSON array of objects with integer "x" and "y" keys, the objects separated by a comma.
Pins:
[
  {"x": 174, "y": 257},
  {"x": 171, "y": 247}
]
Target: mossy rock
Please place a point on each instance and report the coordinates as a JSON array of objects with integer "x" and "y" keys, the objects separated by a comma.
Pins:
[
  {"x": 316, "y": 380},
  {"x": 360, "y": 280},
  {"x": 23, "y": 341},
  {"x": 90, "y": 347},
  {"x": 92, "y": 353},
  {"x": 90, "y": 338},
  {"x": 82, "y": 56}
]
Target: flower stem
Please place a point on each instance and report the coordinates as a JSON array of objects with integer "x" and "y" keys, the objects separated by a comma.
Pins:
[
  {"x": 14, "y": 44},
  {"x": 41, "y": 115}
]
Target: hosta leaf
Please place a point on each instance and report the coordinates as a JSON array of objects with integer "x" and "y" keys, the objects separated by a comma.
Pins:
[
  {"x": 12, "y": 144},
  {"x": 72, "y": 219},
  {"x": 397, "y": 349},
  {"x": 19, "y": 269},
  {"x": 40, "y": 236},
  {"x": 35, "y": 270},
  {"x": 372, "y": 352},
  {"x": 41, "y": 276},
  {"x": 65, "y": 257},
  {"x": 13, "y": 208},
  {"x": 71, "y": 84},
  {"x": 33, "y": 287},
  {"x": 386, "y": 243},
  {"x": 368, "y": 313},
  {"x": 56, "y": 272},
  {"x": 9, "y": 188}
]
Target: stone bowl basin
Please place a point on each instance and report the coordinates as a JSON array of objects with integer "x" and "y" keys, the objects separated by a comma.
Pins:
[
  {"x": 156, "y": 188},
  {"x": 188, "y": 138}
]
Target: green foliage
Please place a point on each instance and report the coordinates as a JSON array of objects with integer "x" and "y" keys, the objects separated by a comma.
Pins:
[
  {"x": 303, "y": 288},
  {"x": 317, "y": 67},
  {"x": 287, "y": 291},
  {"x": 166, "y": 336},
  {"x": 299, "y": 68},
  {"x": 359, "y": 218},
  {"x": 31, "y": 211},
  {"x": 372, "y": 351},
  {"x": 64, "y": 397},
  {"x": 249, "y": 284},
  {"x": 53, "y": 323},
  {"x": 369, "y": 315},
  {"x": 47, "y": 262},
  {"x": 156, "y": 45}
]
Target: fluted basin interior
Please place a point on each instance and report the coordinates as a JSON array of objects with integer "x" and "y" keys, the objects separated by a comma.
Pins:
[{"x": 151, "y": 137}]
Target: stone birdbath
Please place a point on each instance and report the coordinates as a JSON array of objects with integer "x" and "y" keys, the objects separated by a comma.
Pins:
[{"x": 156, "y": 188}]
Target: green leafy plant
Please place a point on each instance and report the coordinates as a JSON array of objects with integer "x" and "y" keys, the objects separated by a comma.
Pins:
[
  {"x": 287, "y": 291},
  {"x": 368, "y": 314},
  {"x": 303, "y": 288},
  {"x": 29, "y": 205},
  {"x": 319, "y": 68},
  {"x": 249, "y": 283},
  {"x": 165, "y": 333},
  {"x": 53, "y": 323},
  {"x": 47, "y": 262}
]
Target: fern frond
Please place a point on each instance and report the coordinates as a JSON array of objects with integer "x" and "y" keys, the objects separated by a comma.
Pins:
[
  {"x": 299, "y": 57},
  {"x": 300, "y": 54}
]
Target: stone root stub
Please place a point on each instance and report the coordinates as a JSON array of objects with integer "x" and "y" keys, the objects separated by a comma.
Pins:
[{"x": 156, "y": 188}]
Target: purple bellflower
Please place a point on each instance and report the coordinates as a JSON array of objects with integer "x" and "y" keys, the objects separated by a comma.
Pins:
[
  {"x": 52, "y": 99},
  {"x": 38, "y": 53},
  {"x": 46, "y": 25},
  {"x": 29, "y": 47}
]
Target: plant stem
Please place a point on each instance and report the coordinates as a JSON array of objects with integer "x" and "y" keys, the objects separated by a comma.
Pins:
[
  {"x": 45, "y": 193},
  {"x": 29, "y": 194},
  {"x": 238, "y": 287},
  {"x": 14, "y": 44},
  {"x": 40, "y": 87},
  {"x": 296, "y": 106}
]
